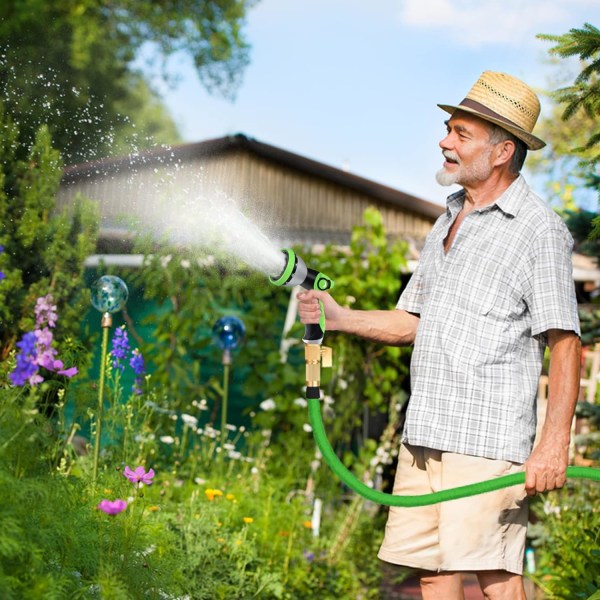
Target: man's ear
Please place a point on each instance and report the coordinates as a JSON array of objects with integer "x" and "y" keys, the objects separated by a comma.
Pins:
[{"x": 504, "y": 151}]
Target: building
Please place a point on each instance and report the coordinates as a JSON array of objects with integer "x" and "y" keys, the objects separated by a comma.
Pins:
[{"x": 290, "y": 198}]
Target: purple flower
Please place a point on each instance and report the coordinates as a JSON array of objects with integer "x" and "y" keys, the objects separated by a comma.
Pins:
[
  {"x": 139, "y": 368},
  {"x": 120, "y": 347},
  {"x": 112, "y": 508},
  {"x": 36, "y": 348},
  {"x": 2, "y": 275},
  {"x": 45, "y": 311},
  {"x": 139, "y": 475},
  {"x": 26, "y": 368}
]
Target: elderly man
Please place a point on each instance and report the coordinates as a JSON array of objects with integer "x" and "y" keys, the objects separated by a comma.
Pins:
[{"x": 493, "y": 288}]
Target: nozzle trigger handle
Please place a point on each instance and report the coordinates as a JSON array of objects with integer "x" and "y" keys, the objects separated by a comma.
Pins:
[{"x": 314, "y": 332}]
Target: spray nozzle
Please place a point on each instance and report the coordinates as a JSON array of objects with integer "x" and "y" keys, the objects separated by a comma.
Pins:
[{"x": 295, "y": 272}]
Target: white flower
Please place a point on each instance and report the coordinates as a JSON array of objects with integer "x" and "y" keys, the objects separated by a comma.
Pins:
[
  {"x": 229, "y": 446},
  {"x": 268, "y": 404},
  {"x": 200, "y": 481},
  {"x": 254, "y": 471},
  {"x": 343, "y": 384},
  {"x": 189, "y": 420},
  {"x": 230, "y": 427},
  {"x": 166, "y": 439},
  {"x": 328, "y": 400},
  {"x": 307, "y": 427},
  {"x": 315, "y": 464},
  {"x": 185, "y": 263},
  {"x": 300, "y": 402},
  {"x": 165, "y": 260}
]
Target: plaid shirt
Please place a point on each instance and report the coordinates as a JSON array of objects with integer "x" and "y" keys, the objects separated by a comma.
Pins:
[{"x": 484, "y": 309}]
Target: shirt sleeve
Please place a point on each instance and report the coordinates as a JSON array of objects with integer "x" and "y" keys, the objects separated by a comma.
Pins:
[
  {"x": 411, "y": 299},
  {"x": 549, "y": 290}
]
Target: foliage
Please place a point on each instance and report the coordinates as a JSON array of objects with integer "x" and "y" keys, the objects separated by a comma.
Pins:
[
  {"x": 566, "y": 541},
  {"x": 590, "y": 326},
  {"x": 366, "y": 378},
  {"x": 85, "y": 84},
  {"x": 583, "y": 95},
  {"x": 211, "y": 525},
  {"x": 43, "y": 252}
]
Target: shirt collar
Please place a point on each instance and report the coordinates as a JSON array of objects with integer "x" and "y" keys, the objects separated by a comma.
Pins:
[{"x": 509, "y": 202}]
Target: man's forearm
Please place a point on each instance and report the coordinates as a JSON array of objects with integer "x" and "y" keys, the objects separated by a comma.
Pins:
[
  {"x": 389, "y": 327},
  {"x": 563, "y": 385}
]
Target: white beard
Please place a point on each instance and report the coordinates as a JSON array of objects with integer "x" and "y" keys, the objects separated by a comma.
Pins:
[{"x": 446, "y": 178}]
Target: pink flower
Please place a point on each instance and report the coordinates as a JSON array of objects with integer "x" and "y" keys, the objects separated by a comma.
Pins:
[
  {"x": 139, "y": 475},
  {"x": 112, "y": 508}
]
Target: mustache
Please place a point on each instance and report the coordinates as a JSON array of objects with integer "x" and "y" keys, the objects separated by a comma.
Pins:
[{"x": 450, "y": 156}]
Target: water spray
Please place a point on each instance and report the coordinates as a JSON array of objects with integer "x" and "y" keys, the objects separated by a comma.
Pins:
[{"x": 295, "y": 272}]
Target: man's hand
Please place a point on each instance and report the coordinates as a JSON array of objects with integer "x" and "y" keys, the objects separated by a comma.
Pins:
[
  {"x": 546, "y": 468},
  {"x": 309, "y": 309}
]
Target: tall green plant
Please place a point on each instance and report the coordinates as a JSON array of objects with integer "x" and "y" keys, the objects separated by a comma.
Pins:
[
  {"x": 366, "y": 378},
  {"x": 43, "y": 252}
]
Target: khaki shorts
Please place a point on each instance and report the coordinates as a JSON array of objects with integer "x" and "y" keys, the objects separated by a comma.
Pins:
[{"x": 478, "y": 533}]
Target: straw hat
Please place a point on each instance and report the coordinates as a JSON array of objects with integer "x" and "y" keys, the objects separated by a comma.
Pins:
[{"x": 505, "y": 101}]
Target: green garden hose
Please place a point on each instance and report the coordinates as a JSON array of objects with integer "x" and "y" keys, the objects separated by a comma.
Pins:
[
  {"x": 295, "y": 272},
  {"x": 316, "y": 421}
]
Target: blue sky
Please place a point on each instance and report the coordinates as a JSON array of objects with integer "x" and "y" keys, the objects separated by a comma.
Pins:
[{"x": 355, "y": 84}]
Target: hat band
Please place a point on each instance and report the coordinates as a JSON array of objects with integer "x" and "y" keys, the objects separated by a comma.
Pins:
[{"x": 484, "y": 110}]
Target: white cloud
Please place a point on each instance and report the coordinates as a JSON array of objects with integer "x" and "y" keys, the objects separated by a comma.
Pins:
[{"x": 480, "y": 22}]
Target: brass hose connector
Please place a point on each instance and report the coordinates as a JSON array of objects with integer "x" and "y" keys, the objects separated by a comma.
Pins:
[{"x": 316, "y": 356}]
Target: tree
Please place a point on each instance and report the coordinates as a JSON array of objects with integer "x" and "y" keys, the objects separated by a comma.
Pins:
[
  {"x": 581, "y": 99},
  {"x": 42, "y": 252},
  {"x": 69, "y": 64}
]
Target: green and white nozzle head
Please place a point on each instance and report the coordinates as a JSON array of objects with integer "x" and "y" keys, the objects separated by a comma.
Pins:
[{"x": 294, "y": 271}]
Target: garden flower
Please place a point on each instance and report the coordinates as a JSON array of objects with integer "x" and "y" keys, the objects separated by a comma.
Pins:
[
  {"x": 268, "y": 404},
  {"x": 120, "y": 347},
  {"x": 139, "y": 368},
  {"x": 212, "y": 494},
  {"x": 139, "y": 475},
  {"x": 26, "y": 368},
  {"x": 36, "y": 348},
  {"x": 45, "y": 311},
  {"x": 189, "y": 420},
  {"x": 112, "y": 508}
]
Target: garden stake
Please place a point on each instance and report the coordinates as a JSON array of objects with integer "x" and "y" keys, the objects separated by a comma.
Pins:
[
  {"x": 294, "y": 273},
  {"x": 106, "y": 324},
  {"x": 228, "y": 332},
  {"x": 108, "y": 295}
]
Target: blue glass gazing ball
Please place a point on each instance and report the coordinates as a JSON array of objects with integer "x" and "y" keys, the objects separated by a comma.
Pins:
[
  {"x": 109, "y": 294},
  {"x": 228, "y": 332}
]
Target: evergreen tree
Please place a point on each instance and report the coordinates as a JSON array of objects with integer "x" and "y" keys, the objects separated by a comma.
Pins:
[
  {"x": 42, "y": 252},
  {"x": 583, "y": 94}
]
